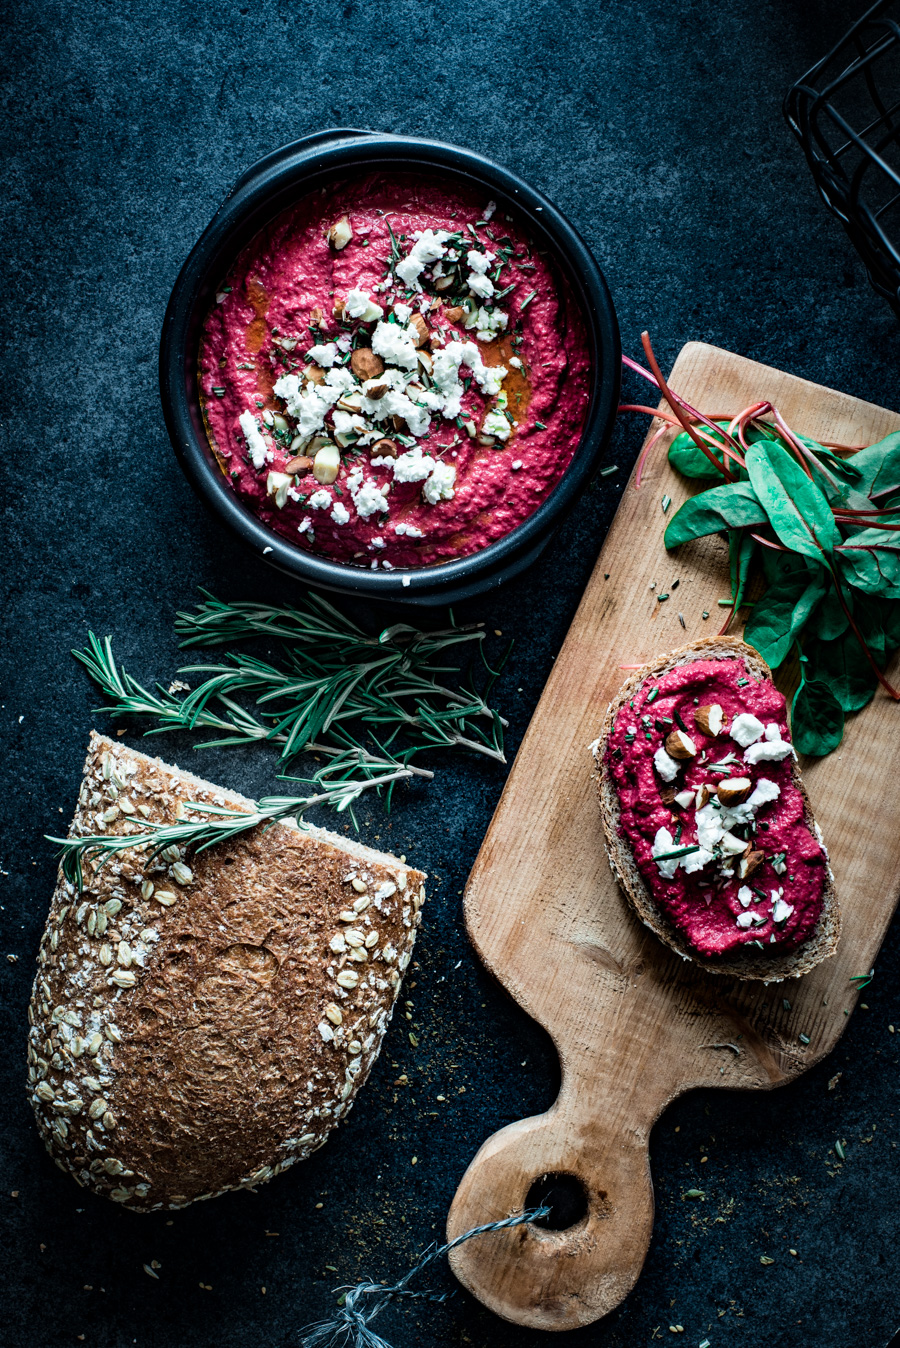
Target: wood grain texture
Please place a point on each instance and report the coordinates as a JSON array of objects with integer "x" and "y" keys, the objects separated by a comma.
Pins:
[{"x": 635, "y": 1025}]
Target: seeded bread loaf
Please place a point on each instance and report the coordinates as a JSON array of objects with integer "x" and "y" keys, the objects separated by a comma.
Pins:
[
  {"x": 770, "y": 968},
  {"x": 200, "y": 1027}
]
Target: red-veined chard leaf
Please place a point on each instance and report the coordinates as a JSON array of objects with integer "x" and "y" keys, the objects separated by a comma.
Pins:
[
  {"x": 870, "y": 560},
  {"x": 831, "y": 615},
  {"x": 843, "y": 666},
  {"x": 796, "y": 508},
  {"x": 690, "y": 461},
  {"x": 779, "y": 616},
  {"x": 730, "y": 507},
  {"x": 878, "y": 466},
  {"x": 817, "y": 719}
]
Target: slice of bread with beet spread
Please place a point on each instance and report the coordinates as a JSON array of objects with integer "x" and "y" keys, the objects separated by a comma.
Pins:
[{"x": 786, "y": 918}]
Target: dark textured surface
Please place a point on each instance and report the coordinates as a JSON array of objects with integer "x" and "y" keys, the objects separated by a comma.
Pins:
[{"x": 657, "y": 128}]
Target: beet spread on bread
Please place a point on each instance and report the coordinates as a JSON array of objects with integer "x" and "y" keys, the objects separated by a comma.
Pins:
[{"x": 709, "y": 827}]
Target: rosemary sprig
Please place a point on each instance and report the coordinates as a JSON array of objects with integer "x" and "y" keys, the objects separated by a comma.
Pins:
[
  {"x": 201, "y": 834},
  {"x": 337, "y": 692}
]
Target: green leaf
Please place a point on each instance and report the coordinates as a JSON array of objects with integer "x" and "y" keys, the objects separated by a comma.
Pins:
[
  {"x": 797, "y": 509},
  {"x": 779, "y": 616},
  {"x": 843, "y": 667},
  {"x": 817, "y": 719},
  {"x": 831, "y": 620},
  {"x": 878, "y": 466},
  {"x": 741, "y": 549},
  {"x": 730, "y": 507},
  {"x": 690, "y": 461},
  {"x": 869, "y": 562}
]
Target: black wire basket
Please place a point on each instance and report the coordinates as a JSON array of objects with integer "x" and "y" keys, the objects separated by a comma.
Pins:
[{"x": 845, "y": 112}]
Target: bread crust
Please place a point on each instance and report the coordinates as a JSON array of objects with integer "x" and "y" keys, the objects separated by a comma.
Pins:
[
  {"x": 208, "y": 1034},
  {"x": 761, "y": 966}
]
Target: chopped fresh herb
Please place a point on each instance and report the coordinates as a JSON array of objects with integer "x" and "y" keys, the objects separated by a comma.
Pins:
[
  {"x": 678, "y": 832},
  {"x": 742, "y": 683},
  {"x": 678, "y": 852},
  {"x": 785, "y": 1003},
  {"x": 678, "y": 721},
  {"x": 804, "y": 1038},
  {"x": 220, "y": 393},
  {"x": 839, "y": 1149},
  {"x": 704, "y": 614},
  {"x": 675, "y": 584},
  {"x": 653, "y": 694},
  {"x": 609, "y": 470},
  {"x": 661, "y": 598},
  {"x": 666, "y": 502},
  {"x": 527, "y": 300},
  {"x": 540, "y": 425}
]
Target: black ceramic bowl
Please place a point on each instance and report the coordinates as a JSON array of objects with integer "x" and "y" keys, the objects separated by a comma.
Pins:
[{"x": 278, "y": 181}]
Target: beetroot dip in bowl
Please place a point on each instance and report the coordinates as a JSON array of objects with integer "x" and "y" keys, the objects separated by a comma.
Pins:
[{"x": 390, "y": 366}]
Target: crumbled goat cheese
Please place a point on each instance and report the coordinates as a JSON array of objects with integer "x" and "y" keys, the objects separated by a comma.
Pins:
[
  {"x": 488, "y": 323},
  {"x": 428, "y": 247},
  {"x": 403, "y": 311},
  {"x": 445, "y": 374},
  {"x": 745, "y": 896},
  {"x": 746, "y": 729},
  {"x": 413, "y": 466},
  {"x": 409, "y": 529},
  {"x": 767, "y": 751},
  {"x": 325, "y": 354},
  {"x": 744, "y": 919},
  {"x": 782, "y": 911},
  {"x": 479, "y": 262},
  {"x": 515, "y": 362},
  {"x": 439, "y": 486},
  {"x": 256, "y": 445},
  {"x": 320, "y": 500},
  {"x": 496, "y": 424},
  {"x": 665, "y": 765},
  {"x": 340, "y": 514},
  {"x": 489, "y": 210},
  {"x": 367, "y": 496},
  {"x": 307, "y": 405},
  {"x": 396, "y": 345},
  {"x": 359, "y": 305},
  {"x": 516, "y": 465},
  {"x": 763, "y": 792},
  {"x": 482, "y": 286}
]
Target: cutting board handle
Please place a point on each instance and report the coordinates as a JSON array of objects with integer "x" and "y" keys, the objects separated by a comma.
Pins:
[{"x": 588, "y": 1256}]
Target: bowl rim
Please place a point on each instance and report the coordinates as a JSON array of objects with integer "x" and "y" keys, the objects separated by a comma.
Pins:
[{"x": 260, "y": 193}]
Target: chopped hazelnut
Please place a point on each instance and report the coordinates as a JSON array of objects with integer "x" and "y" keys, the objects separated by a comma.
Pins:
[
  {"x": 421, "y": 327},
  {"x": 300, "y": 463},
  {"x": 365, "y": 364},
  {"x": 679, "y": 745},
  {"x": 340, "y": 233},
  {"x": 385, "y": 449}
]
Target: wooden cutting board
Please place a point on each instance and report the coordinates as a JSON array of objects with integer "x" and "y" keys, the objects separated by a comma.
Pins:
[{"x": 633, "y": 1024}]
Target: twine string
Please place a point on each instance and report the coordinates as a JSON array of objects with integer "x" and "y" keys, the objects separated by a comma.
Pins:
[{"x": 349, "y": 1326}]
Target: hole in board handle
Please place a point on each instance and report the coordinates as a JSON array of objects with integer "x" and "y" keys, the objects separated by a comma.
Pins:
[{"x": 564, "y": 1195}]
